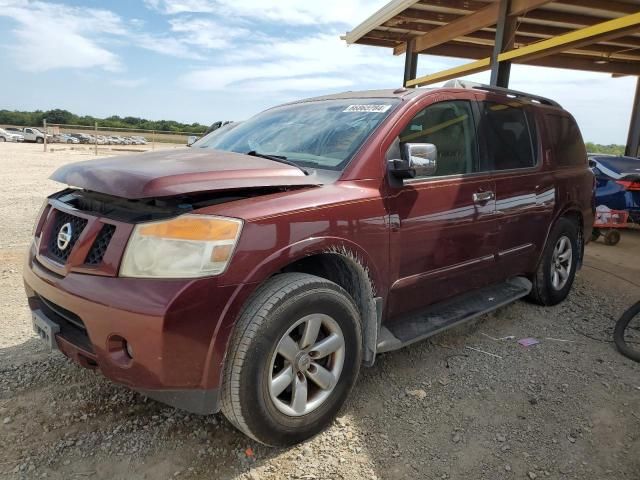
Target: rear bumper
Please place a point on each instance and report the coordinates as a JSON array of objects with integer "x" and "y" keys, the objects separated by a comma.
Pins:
[{"x": 177, "y": 331}]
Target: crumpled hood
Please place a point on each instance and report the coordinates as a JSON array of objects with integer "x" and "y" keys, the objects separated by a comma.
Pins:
[{"x": 174, "y": 172}]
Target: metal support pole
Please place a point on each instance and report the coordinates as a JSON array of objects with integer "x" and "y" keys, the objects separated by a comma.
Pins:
[
  {"x": 44, "y": 126},
  {"x": 633, "y": 140},
  {"x": 410, "y": 63},
  {"x": 95, "y": 137},
  {"x": 153, "y": 140},
  {"x": 505, "y": 33}
]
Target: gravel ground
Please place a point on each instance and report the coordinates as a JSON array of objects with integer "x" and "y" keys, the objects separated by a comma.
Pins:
[{"x": 568, "y": 408}]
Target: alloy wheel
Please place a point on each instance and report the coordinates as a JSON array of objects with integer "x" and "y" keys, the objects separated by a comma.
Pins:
[
  {"x": 561, "y": 262},
  {"x": 306, "y": 365}
]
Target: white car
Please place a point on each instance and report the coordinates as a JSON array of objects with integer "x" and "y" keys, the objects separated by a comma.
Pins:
[{"x": 10, "y": 137}]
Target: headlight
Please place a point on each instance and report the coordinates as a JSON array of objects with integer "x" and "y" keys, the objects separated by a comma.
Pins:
[{"x": 184, "y": 247}]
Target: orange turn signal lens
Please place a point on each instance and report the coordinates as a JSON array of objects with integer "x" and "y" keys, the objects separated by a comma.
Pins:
[{"x": 193, "y": 227}]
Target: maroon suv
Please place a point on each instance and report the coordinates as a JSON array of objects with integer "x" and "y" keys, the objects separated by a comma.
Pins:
[{"x": 256, "y": 271}]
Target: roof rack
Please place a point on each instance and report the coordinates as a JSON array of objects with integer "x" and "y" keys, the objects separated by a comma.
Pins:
[{"x": 505, "y": 91}]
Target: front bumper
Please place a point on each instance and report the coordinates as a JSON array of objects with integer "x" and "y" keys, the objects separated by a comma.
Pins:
[{"x": 177, "y": 330}]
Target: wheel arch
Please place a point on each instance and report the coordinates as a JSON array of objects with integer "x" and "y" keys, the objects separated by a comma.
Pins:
[
  {"x": 573, "y": 212},
  {"x": 332, "y": 258}
]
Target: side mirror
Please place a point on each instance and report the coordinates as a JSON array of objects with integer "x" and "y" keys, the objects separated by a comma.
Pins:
[
  {"x": 419, "y": 160},
  {"x": 191, "y": 140}
]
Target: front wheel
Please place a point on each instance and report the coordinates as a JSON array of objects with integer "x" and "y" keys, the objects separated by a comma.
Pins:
[
  {"x": 293, "y": 359},
  {"x": 557, "y": 268},
  {"x": 626, "y": 335}
]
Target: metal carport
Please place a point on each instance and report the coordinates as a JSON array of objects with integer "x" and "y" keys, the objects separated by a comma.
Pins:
[{"x": 587, "y": 35}]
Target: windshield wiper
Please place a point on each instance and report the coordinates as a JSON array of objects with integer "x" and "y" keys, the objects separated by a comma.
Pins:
[{"x": 277, "y": 158}]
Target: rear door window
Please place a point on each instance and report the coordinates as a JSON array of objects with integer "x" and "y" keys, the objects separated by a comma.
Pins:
[
  {"x": 509, "y": 136},
  {"x": 450, "y": 127},
  {"x": 566, "y": 141}
]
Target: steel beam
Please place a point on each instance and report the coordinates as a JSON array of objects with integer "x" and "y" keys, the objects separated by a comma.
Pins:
[
  {"x": 504, "y": 40},
  {"x": 633, "y": 140},
  {"x": 410, "y": 63},
  {"x": 542, "y": 50}
]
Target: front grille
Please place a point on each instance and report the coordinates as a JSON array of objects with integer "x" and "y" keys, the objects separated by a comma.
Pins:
[
  {"x": 72, "y": 327},
  {"x": 99, "y": 247},
  {"x": 77, "y": 226}
]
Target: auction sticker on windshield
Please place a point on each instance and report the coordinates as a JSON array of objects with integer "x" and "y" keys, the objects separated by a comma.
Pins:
[{"x": 367, "y": 108}]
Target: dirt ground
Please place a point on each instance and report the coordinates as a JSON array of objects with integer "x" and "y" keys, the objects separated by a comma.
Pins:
[{"x": 567, "y": 408}]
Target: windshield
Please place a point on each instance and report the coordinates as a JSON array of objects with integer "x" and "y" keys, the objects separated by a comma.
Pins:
[
  {"x": 321, "y": 134},
  {"x": 206, "y": 141}
]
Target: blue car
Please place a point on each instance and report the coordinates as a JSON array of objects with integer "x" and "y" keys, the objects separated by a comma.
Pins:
[{"x": 617, "y": 183}]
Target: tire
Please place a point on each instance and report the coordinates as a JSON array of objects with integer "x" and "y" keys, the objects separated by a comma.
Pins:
[
  {"x": 618, "y": 333},
  {"x": 612, "y": 237},
  {"x": 544, "y": 291},
  {"x": 39, "y": 140},
  {"x": 595, "y": 234},
  {"x": 2, "y": 139},
  {"x": 253, "y": 359}
]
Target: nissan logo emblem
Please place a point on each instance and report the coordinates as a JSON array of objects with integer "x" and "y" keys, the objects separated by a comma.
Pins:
[{"x": 64, "y": 236}]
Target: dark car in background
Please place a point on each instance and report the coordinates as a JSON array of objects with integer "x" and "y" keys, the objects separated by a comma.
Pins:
[{"x": 617, "y": 183}]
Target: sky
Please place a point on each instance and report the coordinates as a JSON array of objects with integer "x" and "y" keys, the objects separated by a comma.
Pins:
[{"x": 208, "y": 60}]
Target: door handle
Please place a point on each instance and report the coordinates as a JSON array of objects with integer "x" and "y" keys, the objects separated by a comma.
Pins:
[{"x": 483, "y": 197}]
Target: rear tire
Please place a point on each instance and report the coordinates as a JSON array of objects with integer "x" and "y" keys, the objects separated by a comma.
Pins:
[
  {"x": 274, "y": 318},
  {"x": 2, "y": 139},
  {"x": 39, "y": 140},
  {"x": 554, "y": 277},
  {"x": 612, "y": 237}
]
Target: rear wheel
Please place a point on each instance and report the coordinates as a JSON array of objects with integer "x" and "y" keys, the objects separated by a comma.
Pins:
[
  {"x": 612, "y": 237},
  {"x": 293, "y": 359},
  {"x": 2, "y": 139},
  {"x": 556, "y": 271},
  {"x": 39, "y": 140}
]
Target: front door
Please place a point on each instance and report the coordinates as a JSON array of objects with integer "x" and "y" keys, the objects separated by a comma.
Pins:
[{"x": 443, "y": 227}]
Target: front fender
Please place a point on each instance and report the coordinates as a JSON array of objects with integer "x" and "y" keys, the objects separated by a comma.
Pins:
[{"x": 279, "y": 259}]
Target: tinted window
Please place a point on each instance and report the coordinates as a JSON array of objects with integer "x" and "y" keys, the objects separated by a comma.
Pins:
[
  {"x": 449, "y": 126},
  {"x": 566, "y": 141},
  {"x": 507, "y": 139}
]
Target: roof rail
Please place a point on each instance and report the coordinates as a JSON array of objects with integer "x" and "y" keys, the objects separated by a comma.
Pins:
[{"x": 506, "y": 91}]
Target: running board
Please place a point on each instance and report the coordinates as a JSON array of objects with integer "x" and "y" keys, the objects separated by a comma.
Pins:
[{"x": 452, "y": 312}]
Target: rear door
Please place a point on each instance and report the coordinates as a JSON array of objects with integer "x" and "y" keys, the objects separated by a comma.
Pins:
[
  {"x": 442, "y": 226},
  {"x": 525, "y": 195}
]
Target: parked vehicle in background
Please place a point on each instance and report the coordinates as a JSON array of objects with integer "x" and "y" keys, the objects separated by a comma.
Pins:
[
  {"x": 6, "y": 136},
  {"x": 30, "y": 134},
  {"x": 65, "y": 138},
  {"x": 617, "y": 183},
  {"x": 256, "y": 275}
]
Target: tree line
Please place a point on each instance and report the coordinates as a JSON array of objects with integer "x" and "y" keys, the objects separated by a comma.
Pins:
[
  {"x": 608, "y": 149},
  {"x": 64, "y": 117}
]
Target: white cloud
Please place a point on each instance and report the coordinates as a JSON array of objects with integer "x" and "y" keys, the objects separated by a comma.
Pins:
[
  {"x": 52, "y": 36},
  {"x": 293, "y": 12},
  {"x": 316, "y": 63},
  {"x": 206, "y": 33}
]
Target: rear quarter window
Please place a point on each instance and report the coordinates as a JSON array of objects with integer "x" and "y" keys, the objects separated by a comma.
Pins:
[
  {"x": 565, "y": 140},
  {"x": 509, "y": 136}
]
